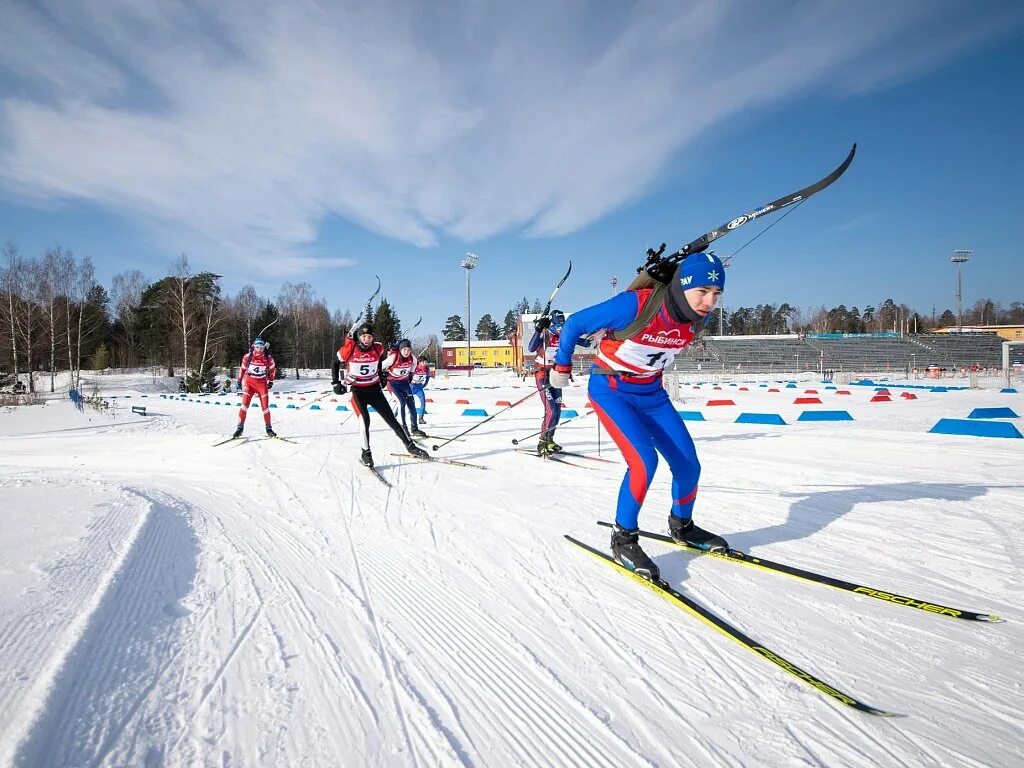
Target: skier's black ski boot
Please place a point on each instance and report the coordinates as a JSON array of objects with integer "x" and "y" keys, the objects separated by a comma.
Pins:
[
  {"x": 419, "y": 433},
  {"x": 270, "y": 432},
  {"x": 685, "y": 532},
  {"x": 238, "y": 432},
  {"x": 415, "y": 450},
  {"x": 627, "y": 551},
  {"x": 367, "y": 458},
  {"x": 547, "y": 447}
]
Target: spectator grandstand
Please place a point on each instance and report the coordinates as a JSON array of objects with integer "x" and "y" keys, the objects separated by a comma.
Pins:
[
  {"x": 963, "y": 350},
  {"x": 839, "y": 352}
]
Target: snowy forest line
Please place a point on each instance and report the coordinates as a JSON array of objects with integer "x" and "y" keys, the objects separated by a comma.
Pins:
[{"x": 55, "y": 315}]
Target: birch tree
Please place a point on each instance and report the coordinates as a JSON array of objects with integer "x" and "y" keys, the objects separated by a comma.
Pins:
[
  {"x": 48, "y": 289},
  {"x": 250, "y": 305},
  {"x": 206, "y": 293},
  {"x": 12, "y": 280},
  {"x": 295, "y": 302},
  {"x": 66, "y": 287},
  {"x": 86, "y": 280},
  {"x": 179, "y": 302},
  {"x": 31, "y": 315},
  {"x": 127, "y": 288}
]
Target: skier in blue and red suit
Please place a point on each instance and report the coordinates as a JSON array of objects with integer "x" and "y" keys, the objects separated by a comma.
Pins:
[
  {"x": 546, "y": 335},
  {"x": 627, "y": 394},
  {"x": 420, "y": 379},
  {"x": 398, "y": 366}
]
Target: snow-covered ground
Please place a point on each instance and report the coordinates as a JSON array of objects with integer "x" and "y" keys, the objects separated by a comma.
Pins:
[{"x": 166, "y": 602}]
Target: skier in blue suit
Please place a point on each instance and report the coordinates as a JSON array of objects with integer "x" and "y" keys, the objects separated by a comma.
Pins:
[
  {"x": 420, "y": 379},
  {"x": 643, "y": 331}
]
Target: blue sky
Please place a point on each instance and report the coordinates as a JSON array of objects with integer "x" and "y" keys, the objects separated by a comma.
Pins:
[{"x": 329, "y": 142}]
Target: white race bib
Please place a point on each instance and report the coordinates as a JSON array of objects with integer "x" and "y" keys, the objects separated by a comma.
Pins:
[
  {"x": 646, "y": 357},
  {"x": 362, "y": 370}
]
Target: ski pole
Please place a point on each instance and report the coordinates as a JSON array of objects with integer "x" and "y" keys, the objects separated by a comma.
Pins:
[
  {"x": 355, "y": 323},
  {"x": 517, "y": 402},
  {"x": 258, "y": 335},
  {"x": 551, "y": 298},
  {"x": 517, "y": 441},
  {"x": 320, "y": 396}
]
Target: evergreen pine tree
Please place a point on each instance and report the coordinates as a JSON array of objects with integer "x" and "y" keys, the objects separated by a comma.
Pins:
[
  {"x": 454, "y": 330},
  {"x": 509, "y": 325},
  {"x": 386, "y": 325},
  {"x": 485, "y": 328}
]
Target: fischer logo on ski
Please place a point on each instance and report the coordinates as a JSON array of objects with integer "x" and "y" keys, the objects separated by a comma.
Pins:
[{"x": 909, "y": 601}]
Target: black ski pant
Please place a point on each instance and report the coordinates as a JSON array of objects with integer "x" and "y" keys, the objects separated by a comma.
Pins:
[{"x": 362, "y": 399}]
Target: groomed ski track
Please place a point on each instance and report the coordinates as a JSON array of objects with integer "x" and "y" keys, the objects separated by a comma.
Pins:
[{"x": 274, "y": 604}]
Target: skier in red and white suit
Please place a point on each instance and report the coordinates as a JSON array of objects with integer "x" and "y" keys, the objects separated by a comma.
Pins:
[
  {"x": 360, "y": 358},
  {"x": 256, "y": 377}
]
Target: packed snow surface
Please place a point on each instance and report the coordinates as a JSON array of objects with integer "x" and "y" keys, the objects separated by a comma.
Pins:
[{"x": 166, "y": 602}]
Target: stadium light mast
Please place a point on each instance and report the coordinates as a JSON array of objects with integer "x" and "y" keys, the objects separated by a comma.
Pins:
[
  {"x": 469, "y": 264},
  {"x": 960, "y": 256},
  {"x": 614, "y": 282}
]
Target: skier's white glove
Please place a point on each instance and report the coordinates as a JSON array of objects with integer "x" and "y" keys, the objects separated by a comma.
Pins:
[{"x": 560, "y": 376}]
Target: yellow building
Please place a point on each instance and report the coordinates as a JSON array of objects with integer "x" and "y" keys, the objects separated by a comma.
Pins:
[
  {"x": 1008, "y": 332},
  {"x": 485, "y": 354}
]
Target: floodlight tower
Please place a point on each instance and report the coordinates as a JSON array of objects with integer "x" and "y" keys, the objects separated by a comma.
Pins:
[
  {"x": 469, "y": 264},
  {"x": 614, "y": 282},
  {"x": 960, "y": 256}
]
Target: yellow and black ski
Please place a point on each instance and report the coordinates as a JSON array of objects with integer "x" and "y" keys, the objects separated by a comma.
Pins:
[
  {"x": 721, "y": 625},
  {"x": 736, "y": 556}
]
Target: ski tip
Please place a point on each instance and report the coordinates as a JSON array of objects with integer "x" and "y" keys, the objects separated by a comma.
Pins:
[{"x": 880, "y": 712}]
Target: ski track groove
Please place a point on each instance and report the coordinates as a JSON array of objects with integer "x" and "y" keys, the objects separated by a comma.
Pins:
[
  {"x": 457, "y": 632},
  {"x": 93, "y": 703},
  {"x": 639, "y": 669},
  {"x": 372, "y": 616},
  {"x": 267, "y": 534},
  {"x": 240, "y": 638},
  {"x": 302, "y": 617},
  {"x": 682, "y": 707},
  {"x": 32, "y": 633}
]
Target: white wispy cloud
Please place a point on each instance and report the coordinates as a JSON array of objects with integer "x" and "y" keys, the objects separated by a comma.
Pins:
[{"x": 241, "y": 129}]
